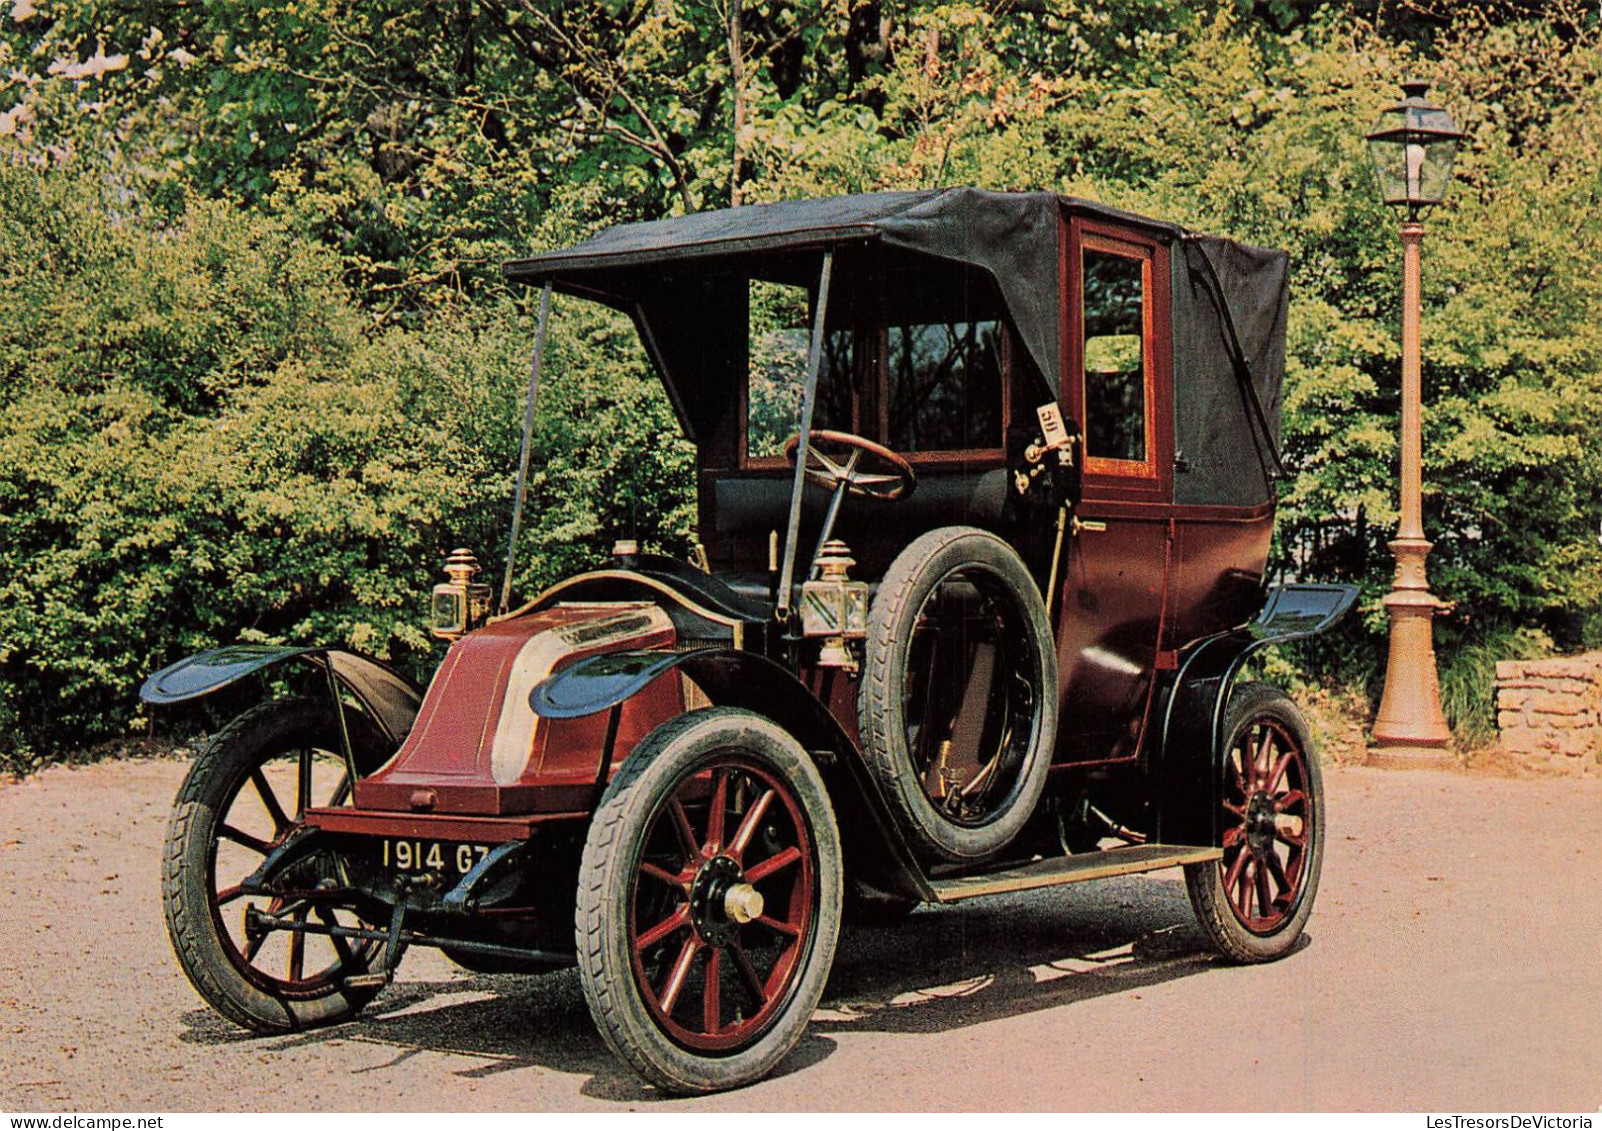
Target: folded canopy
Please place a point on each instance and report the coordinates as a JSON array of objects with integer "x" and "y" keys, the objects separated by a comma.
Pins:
[{"x": 1228, "y": 315}]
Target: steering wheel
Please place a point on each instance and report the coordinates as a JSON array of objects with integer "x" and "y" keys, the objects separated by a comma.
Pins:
[{"x": 887, "y": 475}]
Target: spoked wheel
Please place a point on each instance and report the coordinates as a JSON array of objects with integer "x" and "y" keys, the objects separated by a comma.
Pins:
[
  {"x": 1254, "y": 903},
  {"x": 709, "y": 901},
  {"x": 958, "y": 701},
  {"x": 243, "y": 796}
]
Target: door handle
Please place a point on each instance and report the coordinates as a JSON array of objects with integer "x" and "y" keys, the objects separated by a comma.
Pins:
[{"x": 1080, "y": 525}]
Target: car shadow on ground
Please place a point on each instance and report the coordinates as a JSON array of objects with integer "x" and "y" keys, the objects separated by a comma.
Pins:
[
  {"x": 951, "y": 967},
  {"x": 943, "y": 968}
]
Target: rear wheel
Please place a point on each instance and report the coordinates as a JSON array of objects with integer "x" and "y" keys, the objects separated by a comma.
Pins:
[
  {"x": 243, "y": 796},
  {"x": 1254, "y": 903},
  {"x": 958, "y": 701},
  {"x": 709, "y": 901}
]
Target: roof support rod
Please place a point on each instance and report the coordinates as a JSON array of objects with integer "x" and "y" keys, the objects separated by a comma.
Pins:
[
  {"x": 809, "y": 398},
  {"x": 528, "y": 440}
]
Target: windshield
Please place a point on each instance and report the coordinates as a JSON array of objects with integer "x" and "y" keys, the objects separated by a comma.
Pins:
[{"x": 915, "y": 384}]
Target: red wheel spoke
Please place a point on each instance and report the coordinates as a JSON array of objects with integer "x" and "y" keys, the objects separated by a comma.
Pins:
[
  {"x": 715, "y": 815},
  {"x": 681, "y": 826},
  {"x": 270, "y": 801},
  {"x": 791, "y": 929},
  {"x": 1238, "y": 810},
  {"x": 1243, "y": 885},
  {"x": 748, "y": 826},
  {"x": 238, "y": 836},
  {"x": 1232, "y": 877},
  {"x": 297, "y": 949},
  {"x": 772, "y": 864},
  {"x": 680, "y": 918},
  {"x": 1277, "y": 774},
  {"x": 680, "y": 972},
  {"x": 1293, "y": 840},
  {"x": 1265, "y": 899},
  {"x": 748, "y": 974},
  {"x": 227, "y": 895},
  {"x": 657, "y": 872},
  {"x": 1233, "y": 836},
  {"x": 1277, "y": 871},
  {"x": 711, "y": 1001},
  {"x": 1289, "y": 800},
  {"x": 1260, "y": 758}
]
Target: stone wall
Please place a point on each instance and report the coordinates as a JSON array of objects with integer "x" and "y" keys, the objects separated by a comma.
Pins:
[{"x": 1550, "y": 712}]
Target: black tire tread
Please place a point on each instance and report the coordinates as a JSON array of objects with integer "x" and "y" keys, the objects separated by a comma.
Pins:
[
  {"x": 200, "y": 959},
  {"x": 599, "y": 871},
  {"x": 881, "y": 746},
  {"x": 1203, "y": 883}
]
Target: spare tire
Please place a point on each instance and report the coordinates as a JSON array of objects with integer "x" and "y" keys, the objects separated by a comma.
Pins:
[{"x": 958, "y": 701}]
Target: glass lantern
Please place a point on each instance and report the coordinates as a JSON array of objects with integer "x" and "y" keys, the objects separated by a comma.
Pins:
[{"x": 1412, "y": 146}]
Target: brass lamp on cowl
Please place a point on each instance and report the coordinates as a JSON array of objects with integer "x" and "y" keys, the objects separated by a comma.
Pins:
[
  {"x": 460, "y": 604},
  {"x": 1412, "y": 147}
]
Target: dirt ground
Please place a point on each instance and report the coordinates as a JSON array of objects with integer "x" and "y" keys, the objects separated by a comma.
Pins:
[{"x": 1453, "y": 963}]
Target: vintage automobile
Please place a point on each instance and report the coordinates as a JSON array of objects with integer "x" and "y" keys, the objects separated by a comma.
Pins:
[{"x": 986, "y": 489}]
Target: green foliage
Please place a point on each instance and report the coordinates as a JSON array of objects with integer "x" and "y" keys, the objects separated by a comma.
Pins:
[
  {"x": 194, "y": 456},
  {"x": 1468, "y": 678},
  {"x": 260, "y": 371}
]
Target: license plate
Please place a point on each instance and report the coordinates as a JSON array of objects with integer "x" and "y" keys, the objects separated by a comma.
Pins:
[{"x": 404, "y": 854}]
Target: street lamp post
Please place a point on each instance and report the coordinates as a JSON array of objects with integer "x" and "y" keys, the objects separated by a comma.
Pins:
[{"x": 1412, "y": 146}]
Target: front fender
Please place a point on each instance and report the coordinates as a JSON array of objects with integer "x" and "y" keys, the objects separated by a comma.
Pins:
[
  {"x": 1188, "y": 768},
  {"x": 874, "y": 847},
  {"x": 386, "y": 695}
]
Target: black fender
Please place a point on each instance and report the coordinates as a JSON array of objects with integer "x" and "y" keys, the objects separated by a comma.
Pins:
[
  {"x": 730, "y": 677},
  {"x": 1188, "y": 770},
  {"x": 389, "y": 697}
]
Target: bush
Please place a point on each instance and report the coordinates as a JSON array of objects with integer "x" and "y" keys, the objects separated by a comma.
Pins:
[{"x": 203, "y": 442}]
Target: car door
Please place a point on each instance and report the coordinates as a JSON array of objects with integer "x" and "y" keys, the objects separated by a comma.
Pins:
[{"x": 1119, "y": 553}]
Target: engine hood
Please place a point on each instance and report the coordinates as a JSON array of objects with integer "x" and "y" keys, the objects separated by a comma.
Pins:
[{"x": 477, "y": 745}]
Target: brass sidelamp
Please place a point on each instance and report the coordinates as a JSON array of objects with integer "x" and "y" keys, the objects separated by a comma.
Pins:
[
  {"x": 834, "y": 607},
  {"x": 461, "y": 603}
]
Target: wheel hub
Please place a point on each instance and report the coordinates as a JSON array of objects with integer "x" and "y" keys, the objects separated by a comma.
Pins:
[
  {"x": 1260, "y": 823},
  {"x": 721, "y": 900}
]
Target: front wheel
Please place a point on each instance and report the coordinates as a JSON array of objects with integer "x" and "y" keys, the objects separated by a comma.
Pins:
[
  {"x": 1254, "y": 903},
  {"x": 243, "y": 796},
  {"x": 709, "y": 901}
]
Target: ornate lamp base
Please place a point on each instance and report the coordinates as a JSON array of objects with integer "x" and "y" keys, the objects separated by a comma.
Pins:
[{"x": 1410, "y": 731}]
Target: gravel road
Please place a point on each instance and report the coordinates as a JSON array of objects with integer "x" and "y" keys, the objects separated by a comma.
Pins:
[{"x": 1454, "y": 963}]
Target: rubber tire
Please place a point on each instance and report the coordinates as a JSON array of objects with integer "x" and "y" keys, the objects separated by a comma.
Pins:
[
  {"x": 655, "y": 766},
  {"x": 1205, "y": 882},
  {"x": 907, "y": 584},
  {"x": 216, "y": 777}
]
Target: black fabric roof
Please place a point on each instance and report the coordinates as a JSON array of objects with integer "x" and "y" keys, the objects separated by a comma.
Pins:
[
  {"x": 1010, "y": 235},
  {"x": 660, "y": 270},
  {"x": 960, "y": 223}
]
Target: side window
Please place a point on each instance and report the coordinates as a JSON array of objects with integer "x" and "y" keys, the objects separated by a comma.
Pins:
[
  {"x": 1117, "y": 409},
  {"x": 780, "y": 334},
  {"x": 944, "y": 386}
]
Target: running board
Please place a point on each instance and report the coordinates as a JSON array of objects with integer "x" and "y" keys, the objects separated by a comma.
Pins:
[{"x": 1073, "y": 869}]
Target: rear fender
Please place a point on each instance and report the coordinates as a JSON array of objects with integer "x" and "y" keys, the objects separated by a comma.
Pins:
[
  {"x": 729, "y": 677},
  {"x": 1189, "y": 767},
  {"x": 386, "y": 695}
]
